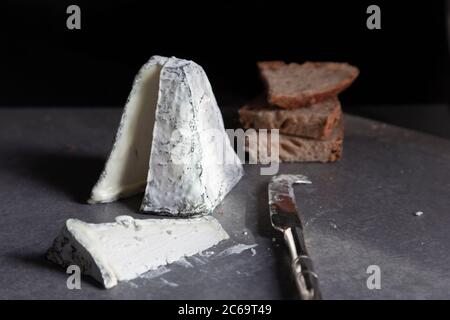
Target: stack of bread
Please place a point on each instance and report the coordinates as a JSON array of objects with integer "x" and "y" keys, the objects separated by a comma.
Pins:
[{"x": 301, "y": 102}]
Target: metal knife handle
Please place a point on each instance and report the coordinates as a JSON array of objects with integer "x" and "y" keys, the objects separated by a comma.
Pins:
[{"x": 305, "y": 278}]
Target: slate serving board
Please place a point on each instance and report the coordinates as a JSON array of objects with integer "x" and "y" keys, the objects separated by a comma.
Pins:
[{"x": 358, "y": 212}]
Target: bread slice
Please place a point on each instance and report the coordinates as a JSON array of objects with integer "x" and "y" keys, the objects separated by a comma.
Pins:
[
  {"x": 298, "y": 85},
  {"x": 316, "y": 121},
  {"x": 297, "y": 149}
]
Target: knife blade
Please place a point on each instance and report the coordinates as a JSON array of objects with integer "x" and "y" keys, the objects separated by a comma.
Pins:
[{"x": 285, "y": 217}]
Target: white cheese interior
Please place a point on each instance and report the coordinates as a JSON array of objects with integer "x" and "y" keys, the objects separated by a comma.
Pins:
[
  {"x": 123, "y": 250},
  {"x": 126, "y": 169}
]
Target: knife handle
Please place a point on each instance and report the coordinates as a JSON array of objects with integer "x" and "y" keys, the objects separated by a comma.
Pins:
[{"x": 305, "y": 278}]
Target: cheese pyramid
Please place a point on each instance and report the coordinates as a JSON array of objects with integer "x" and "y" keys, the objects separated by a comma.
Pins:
[{"x": 171, "y": 142}]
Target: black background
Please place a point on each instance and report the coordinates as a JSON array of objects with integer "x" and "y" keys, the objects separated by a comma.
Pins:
[{"x": 45, "y": 64}]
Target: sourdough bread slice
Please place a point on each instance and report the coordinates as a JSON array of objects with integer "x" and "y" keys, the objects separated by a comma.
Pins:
[
  {"x": 298, "y": 85},
  {"x": 316, "y": 121},
  {"x": 297, "y": 149}
]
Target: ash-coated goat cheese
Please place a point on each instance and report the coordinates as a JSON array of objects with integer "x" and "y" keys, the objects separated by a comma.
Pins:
[{"x": 171, "y": 142}]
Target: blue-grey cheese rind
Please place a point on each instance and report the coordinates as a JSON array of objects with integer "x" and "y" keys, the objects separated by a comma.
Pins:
[{"x": 186, "y": 115}]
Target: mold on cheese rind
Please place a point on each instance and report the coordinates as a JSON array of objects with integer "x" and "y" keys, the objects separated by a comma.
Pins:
[
  {"x": 73, "y": 246},
  {"x": 172, "y": 143},
  {"x": 126, "y": 169},
  {"x": 127, "y": 248},
  {"x": 189, "y": 173}
]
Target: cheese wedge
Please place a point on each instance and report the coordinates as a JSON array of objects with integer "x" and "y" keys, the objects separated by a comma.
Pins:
[{"x": 172, "y": 142}]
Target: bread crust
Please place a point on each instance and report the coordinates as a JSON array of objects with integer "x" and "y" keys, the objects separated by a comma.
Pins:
[
  {"x": 296, "y": 85},
  {"x": 298, "y": 149},
  {"x": 317, "y": 121}
]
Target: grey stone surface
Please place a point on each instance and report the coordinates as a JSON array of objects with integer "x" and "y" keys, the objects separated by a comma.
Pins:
[{"x": 358, "y": 212}]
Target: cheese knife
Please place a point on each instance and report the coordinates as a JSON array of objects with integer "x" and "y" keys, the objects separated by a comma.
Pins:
[{"x": 284, "y": 216}]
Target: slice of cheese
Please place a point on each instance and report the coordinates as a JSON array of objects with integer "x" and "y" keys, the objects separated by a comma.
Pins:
[
  {"x": 127, "y": 248},
  {"x": 172, "y": 127}
]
